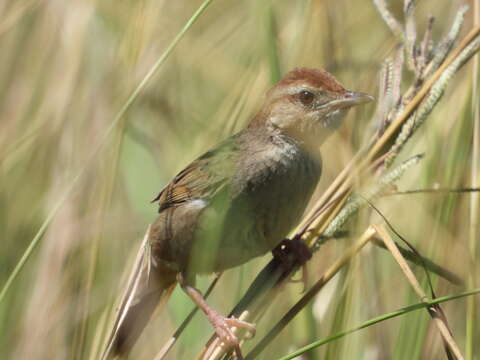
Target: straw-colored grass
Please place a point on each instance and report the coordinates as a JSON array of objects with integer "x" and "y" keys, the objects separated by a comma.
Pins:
[{"x": 98, "y": 111}]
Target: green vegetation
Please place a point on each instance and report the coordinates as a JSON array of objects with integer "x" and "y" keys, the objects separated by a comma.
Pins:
[{"x": 100, "y": 106}]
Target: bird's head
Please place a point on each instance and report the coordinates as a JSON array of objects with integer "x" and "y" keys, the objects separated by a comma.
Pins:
[{"x": 307, "y": 104}]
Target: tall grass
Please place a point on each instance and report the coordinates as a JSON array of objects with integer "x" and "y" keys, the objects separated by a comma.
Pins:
[{"x": 67, "y": 71}]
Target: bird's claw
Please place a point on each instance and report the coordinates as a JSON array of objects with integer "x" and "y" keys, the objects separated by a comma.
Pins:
[{"x": 223, "y": 328}]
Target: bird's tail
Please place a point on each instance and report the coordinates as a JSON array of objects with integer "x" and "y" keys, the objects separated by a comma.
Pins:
[{"x": 145, "y": 290}]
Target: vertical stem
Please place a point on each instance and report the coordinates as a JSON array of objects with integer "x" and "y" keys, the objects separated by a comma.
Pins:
[
  {"x": 440, "y": 323},
  {"x": 345, "y": 259},
  {"x": 474, "y": 198},
  {"x": 272, "y": 45},
  {"x": 76, "y": 179}
]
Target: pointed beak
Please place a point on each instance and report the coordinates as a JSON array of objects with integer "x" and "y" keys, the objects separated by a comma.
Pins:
[{"x": 352, "y": 98}]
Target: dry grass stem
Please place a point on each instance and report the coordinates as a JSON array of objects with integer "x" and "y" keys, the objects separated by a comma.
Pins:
[
  {"x": 100, "y": 108},
  {"x": 341, "y": 188},
  {"x": 368, "y": 194},
  {"x": 345, "y": 259},
  {"x": 343, "y": 182},
  {"x": 474, "y": 205},
  {"x": 176, "y": 335},
  {"x": 435, "y": 311}
]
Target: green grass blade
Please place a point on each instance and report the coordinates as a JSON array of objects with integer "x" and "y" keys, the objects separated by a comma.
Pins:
[
  {"x": 134, "y": 95},
  {"x": 378, "y": 319}
]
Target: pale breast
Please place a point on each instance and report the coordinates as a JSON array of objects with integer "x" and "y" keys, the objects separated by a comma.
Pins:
[
  {"x": 279, "y": 190},
  {"x": 248, "y": 216},
  {"x": 269, "y": 194}
]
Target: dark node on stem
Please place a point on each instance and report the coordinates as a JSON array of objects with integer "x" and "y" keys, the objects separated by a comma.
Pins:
[{"x": 291, "y": 253}]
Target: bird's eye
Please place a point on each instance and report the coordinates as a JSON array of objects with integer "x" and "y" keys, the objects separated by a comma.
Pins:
[{"x": 306, "y": 97}]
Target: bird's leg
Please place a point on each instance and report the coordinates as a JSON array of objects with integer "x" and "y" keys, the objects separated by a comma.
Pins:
[
  {"x": 293, "y": 252},
  {"x": 221, "y": 324}
]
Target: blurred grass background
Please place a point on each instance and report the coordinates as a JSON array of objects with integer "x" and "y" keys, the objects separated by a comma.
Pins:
[{"x": 66, "y": 68}]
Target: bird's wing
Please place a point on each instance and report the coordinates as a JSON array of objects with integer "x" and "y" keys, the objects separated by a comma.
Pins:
[{"x": 202, "y": 179}]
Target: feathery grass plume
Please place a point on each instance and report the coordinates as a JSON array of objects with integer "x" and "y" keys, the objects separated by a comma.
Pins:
[
  {"x": 70, "y": 215},
  {"x": 337, "y": 201},
  {"x": 389, "y": 19},
  {"x": 446, "y": 44},
  {"x": 372, "y": 191},
  {"x": 436, "y": 92}
]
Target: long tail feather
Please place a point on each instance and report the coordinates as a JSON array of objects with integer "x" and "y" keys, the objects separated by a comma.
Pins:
[{"x": 144, "y": 292}]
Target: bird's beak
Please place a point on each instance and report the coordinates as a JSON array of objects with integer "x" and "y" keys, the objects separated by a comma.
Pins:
[{"x": 352, "y": 98}]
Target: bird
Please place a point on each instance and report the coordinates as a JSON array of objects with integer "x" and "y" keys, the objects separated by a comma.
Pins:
[{"x": 235, "y": 202}]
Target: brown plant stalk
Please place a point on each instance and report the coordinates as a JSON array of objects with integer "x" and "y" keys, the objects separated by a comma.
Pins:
[{"x": 335, "y": 197}]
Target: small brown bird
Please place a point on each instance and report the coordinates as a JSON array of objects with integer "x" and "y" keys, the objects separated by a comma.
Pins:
[{"x": 236, "y": 201}]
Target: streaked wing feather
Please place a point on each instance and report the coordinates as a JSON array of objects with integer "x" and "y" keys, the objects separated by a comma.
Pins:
[{"x": 201, "y": 179}]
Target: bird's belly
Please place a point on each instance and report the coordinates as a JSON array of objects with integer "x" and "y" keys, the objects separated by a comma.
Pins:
[
  {"x": 238, "y": 223},
  {"x": 234, "y": 230},
  {"x": 226, "y": 235}
]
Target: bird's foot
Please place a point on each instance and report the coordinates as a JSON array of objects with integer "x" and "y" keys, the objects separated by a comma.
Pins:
[
  {"x": 222, "y": 325},
  {"x": 223, "y": 328}
]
